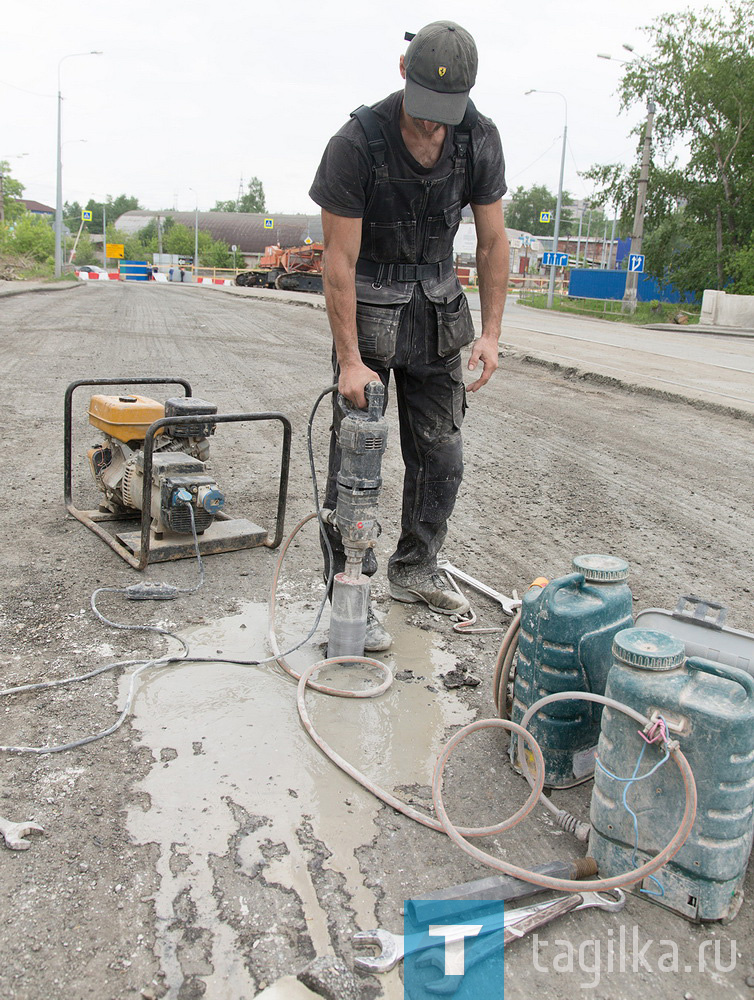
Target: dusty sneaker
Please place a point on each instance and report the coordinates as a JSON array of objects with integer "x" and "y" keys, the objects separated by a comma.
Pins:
[
  {"x": 377, "y": 638},
  {"x": 434, "y": 591}
]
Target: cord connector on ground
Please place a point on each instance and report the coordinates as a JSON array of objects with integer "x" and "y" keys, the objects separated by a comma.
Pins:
[{"x": 151, "y": 592}]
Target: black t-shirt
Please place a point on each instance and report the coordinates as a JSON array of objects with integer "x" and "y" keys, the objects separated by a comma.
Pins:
[{"x": 344, "y": 180}]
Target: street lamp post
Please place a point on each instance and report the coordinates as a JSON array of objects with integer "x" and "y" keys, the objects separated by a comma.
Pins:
[
  {"x": 630, "y": 295},
  {"x": 59, "y": 185},
  {"x": 556, "y": 235}
]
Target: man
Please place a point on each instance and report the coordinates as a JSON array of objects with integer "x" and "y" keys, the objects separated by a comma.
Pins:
[{"x": 391, "y": 185}]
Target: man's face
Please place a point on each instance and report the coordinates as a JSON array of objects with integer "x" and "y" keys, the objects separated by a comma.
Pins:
[{"x": 426, "y": 127}]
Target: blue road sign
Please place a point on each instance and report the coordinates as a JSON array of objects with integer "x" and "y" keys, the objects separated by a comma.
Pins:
[
  {"x": 636, "y": 262},
  {"x": 545, "y": 216},
  {"x": 558, "y": 259}
]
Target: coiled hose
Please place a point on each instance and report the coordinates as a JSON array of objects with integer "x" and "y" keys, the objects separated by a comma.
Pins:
[{"x": 443, "y": 823}]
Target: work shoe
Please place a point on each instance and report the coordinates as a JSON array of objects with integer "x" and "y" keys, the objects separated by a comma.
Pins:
[
  {"x": 434, "y": 591},
  {"x": 377, "y": 638}
]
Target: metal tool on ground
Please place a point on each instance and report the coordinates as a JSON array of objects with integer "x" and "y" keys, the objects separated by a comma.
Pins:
[
  {"x": 362, "y": 438},
  {"x": 526, "y": 920},
  {"x": 14, "y": 834},
  {"x": 151, "y": 462},
  {"x": 497, "y": 887},
  {"x": 508, "y": 604},
  {"x": 395, "y": 947}
]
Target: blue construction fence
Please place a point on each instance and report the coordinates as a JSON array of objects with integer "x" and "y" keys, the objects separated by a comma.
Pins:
[{"x": 597, "y": 284}]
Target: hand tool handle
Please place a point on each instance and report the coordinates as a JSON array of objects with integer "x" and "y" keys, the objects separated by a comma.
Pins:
[
  {"x": 495, "y": 595},
  {"x": 542, "y": 917},
  {"x": 496, "y": 887}
]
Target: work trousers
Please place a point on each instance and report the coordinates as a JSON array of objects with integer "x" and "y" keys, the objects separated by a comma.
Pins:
[{"x": 431, "y": 405}]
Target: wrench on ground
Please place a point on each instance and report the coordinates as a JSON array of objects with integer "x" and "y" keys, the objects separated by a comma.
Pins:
[
  {"x": 394, "y": 947},
  {"x": 508, "y": 604},
  {"x": 14, "y": 834},
  {"x": 526, "y": 920}
]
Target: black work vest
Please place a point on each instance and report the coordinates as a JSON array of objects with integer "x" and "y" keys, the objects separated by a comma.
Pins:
[{"x": 411, "y": 219}]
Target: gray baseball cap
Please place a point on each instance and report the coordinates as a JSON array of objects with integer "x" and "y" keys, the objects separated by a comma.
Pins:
[{"x": 441, "y": 65}]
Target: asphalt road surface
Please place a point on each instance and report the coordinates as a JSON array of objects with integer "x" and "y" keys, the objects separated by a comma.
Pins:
[{"x": 207, "y": 848}]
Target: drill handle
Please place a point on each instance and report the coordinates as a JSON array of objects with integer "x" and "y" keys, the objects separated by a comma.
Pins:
[
  {"x": 375, "y": 397},
  {"x": 374, "y": 392}
]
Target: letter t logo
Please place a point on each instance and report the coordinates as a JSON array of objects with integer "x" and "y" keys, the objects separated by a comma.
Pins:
[{"x": 454, "y": 935}]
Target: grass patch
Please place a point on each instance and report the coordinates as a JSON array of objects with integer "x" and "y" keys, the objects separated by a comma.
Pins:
[{"x": 609, "y": 309}]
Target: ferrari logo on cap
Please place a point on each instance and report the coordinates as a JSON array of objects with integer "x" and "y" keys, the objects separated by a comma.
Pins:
[{"x": 442, "y": 70}]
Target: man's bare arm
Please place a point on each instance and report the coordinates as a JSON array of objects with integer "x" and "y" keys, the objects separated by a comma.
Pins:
[
  {"x": 342, "y": 244},
  {"x": 493, "y": 265}
]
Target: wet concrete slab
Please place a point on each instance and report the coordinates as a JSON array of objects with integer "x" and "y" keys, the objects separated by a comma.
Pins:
[{"x": 237, "y": 777}]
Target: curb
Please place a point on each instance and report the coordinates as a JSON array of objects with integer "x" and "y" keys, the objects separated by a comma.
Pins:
[
  {"x": 595, "y": 378},
  {"x": 717, "y": 331},
  {"x": 7, "y": 292}
]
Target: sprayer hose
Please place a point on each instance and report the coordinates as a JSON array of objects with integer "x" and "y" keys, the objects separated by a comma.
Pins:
[{"x": 459, "y": 835}]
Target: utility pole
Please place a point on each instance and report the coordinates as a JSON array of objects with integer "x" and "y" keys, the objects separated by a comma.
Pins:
[
  {"x": 104, "y": 236},
  {"x": 632, "y": 277}
]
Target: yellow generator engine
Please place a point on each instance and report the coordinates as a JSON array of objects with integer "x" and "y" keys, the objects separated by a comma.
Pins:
[{"x": 179, "y": 473}]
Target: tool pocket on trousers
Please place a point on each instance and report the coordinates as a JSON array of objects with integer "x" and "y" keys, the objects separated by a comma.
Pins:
[
  {"x": 377, "y": 329},
  {"x": 455, "y": 327}
]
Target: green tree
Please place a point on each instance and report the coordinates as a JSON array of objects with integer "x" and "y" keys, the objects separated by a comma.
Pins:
[
  {"x": 700, "y": 74},
  {"x": 10, "y": 191},
  {"x": 527, "y": 204},
  {"x": 251, "y": 201},
  {"x": 29, "y": 236},
  {"x": 742, "y": 269}
]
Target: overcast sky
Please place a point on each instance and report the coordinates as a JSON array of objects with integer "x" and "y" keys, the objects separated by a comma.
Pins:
[{"x": 189, "y": 96}]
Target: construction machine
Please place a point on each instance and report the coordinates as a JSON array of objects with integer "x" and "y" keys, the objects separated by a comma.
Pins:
[{"x": 293, "y": 269}]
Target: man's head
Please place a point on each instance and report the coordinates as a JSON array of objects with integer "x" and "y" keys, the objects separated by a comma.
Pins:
[{"x": 440, "y": 68}]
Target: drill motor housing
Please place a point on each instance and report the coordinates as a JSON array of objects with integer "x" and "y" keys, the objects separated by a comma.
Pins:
[{"x": 363, "y": 440}]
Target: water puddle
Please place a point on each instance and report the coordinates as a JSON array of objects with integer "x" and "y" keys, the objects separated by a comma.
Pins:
[{"x": 225, "y": 734}]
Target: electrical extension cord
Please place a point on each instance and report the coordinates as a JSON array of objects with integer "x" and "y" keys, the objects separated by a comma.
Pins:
[{"x": 146, "y": 591}]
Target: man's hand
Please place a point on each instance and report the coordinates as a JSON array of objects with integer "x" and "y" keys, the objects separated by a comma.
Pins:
[
  {"x": 351, "y": 383},
  {"x": 485, "y": 349}
]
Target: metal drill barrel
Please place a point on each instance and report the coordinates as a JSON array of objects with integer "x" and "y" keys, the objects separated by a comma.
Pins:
[{"x": 363, "y": 439}]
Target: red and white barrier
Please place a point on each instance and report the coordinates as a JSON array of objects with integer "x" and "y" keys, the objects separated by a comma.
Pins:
[
  {"x": 214, "y": 281},
  {"x": 94, "y": 275}
]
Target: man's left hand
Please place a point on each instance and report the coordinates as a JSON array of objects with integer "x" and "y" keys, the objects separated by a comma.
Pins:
[{"x": 485, "y": 349}]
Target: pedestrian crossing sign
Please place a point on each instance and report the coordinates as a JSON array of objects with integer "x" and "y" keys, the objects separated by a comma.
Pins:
[
  {"x": 86, "y": 216},
  {"x": 545, "y": 216},
  {"x": 269, "y": 223}
]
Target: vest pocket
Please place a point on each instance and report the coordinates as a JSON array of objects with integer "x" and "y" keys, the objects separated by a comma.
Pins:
[
  {"x": 455, "y": 327},
  {"x": 394, "y": 242},
  {"x": 441, "y": 231},
  {"x": 377, "y": 329}
]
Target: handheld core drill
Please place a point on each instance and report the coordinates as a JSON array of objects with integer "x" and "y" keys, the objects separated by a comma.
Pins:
[{"x": 363, "y": 439}]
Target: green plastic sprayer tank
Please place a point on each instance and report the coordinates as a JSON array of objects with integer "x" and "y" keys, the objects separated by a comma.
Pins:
[
  {"x": 709, "y": 709},
  {"x": 565, "y": 644}
]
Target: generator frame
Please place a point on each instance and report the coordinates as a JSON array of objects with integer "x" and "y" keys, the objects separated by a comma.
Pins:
[{"x": 93, "y": 519}]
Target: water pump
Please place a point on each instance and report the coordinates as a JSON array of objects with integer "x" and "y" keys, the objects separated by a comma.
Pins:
[{"x": 363, "y": 439}]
